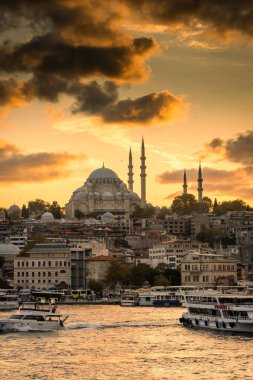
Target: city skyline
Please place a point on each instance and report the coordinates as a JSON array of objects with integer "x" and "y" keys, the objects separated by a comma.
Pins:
[{"x": 80, "y": 84}]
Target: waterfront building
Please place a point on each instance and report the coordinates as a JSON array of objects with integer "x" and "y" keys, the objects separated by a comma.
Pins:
[
  {"x": 47, "y": 266},
  {"x": 171, "y": 252},
  {"x": 207, "y": 270}
]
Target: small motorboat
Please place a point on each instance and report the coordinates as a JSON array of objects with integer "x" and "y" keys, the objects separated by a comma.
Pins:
[{"x": 34, "y": 316}]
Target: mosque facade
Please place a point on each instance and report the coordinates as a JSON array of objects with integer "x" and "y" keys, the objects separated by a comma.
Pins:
[{"x": 104, "y": 192}]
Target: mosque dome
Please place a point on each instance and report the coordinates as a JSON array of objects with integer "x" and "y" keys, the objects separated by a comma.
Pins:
[
  {"x": 107, "y": 196},
  {"x": 14, "y": 208},
  {"x": 118, "y": 196},
  {"x": 79, "y": 189},
  {"x": 123, "y": 186},
  {"x": 107, "y": 217},
  {"x": 80, "y": 195},
  {"x": 96, "y": 196},
  {"x": 133, "y": 196},
  {"x": 103, "y": 173},
  {"x": 47, "y": 217},
  {"x": 9, "y": 249}
]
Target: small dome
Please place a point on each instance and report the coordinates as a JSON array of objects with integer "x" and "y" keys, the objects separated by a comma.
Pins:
[
  {"x": 107, "y": 218},
  {"x": 123, "y": 186},
  {"x": 88, "y": 184},
  {"x": 133, "y": 196},
  {"x": 13, "y": 208},
  {"x": 118, "y": 196},
  {"x": 96, "y": 195},
  {"x": 103, "y": 173},
  {"x": 79, "y": 189},
  {"x": 9, "y": 249},
  {"x": 80, "y": 196},
  {"x": 107, "y": 196},
  {"x": 47, "y": 217}
]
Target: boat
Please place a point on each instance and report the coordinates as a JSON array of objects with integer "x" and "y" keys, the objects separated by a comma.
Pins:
[
  {"x": 219, "y": 311},
  {"x": 129, "y": 298},
  {"x": 8, "y": 302},
  {"x": 159, "y": 296},
  {"x": 34, "y": 316}
]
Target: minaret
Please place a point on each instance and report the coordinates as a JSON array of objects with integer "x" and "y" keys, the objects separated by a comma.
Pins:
[
  {"x": 200, "y": 188},
  {"x": 185, "y": 184},
  {"x": 130, "y": 171},
  {"x": 143, "y": 175}
]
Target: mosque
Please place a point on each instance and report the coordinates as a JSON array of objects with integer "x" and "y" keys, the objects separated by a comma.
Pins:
[{"x": 104, "y": 192}]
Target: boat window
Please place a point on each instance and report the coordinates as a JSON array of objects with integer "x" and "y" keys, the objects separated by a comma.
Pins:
[
  {"x": 16, "y": 317},
  {"x": 34, "y": 317}
]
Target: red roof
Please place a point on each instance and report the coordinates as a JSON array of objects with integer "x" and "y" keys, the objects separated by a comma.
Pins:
[{"x": 100, "y": 258}]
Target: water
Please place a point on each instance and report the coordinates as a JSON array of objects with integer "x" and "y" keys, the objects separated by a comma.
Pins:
[{"x": 113, "y": 342}]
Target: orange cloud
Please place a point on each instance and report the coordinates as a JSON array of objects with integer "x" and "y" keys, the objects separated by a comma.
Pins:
[{"x": 16, "y": 166}]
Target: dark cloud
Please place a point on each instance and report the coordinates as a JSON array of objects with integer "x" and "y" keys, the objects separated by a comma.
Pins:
[
  {"x": 51, "y": 55},
  {"x": 16, "y": 166},
  {"x": 216, "y": 15},
  {"x": 161, "y": 105},
  {"x": 239, "y": 149},
  {"x": 94, "y": 98},
  {"x": 216, "y": 143},
  {"x": 9, "y": 91}
]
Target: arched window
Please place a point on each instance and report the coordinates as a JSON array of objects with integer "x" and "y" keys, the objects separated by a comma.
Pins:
[{"x": 62, "y": 271}]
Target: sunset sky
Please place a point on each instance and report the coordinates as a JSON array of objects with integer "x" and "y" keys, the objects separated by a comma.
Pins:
[{"x": 81, "y": 81}]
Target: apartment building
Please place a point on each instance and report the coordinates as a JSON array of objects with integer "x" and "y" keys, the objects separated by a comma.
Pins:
[
  {"x": 171, "y": 252},
  {"x": 47, "y": 266},
  {"x": 207, "y": 270}
]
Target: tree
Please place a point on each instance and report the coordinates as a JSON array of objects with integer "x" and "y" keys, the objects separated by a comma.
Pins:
[
  {"x": 2, "y": 261},
  {"x": 145, "y": 212},
  {"x": 56, "y": 210},
  {"x": 119, "y": 242},
  {"x": 38, "y": 207},
  {"x": 4, "y": 284},
  {"x": 184, "y": 204},
  {"x": 173, "y": 276},
  {"x": 25, "y": 212},
  {"x": 215, "y": 236},
  {"x": 215, "y": 206},
  {"x": 118, "y": 272},
  {"x": 223, "y": 207},
  {"x": 140, "y": 274},
  {"x": 79, "y": 214},
  {"x": 206, "y": 205},
  {"x": 96, "y": 286},
  {"x": 37, "y": 238},
  {"x": 161, "y": 280},
  {"x": 163, "y": 212}
]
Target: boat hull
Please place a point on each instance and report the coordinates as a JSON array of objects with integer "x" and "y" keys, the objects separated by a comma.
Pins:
[
  {"x": 9, "y": 306},
  {"x": 226, "y": 325},
  {"x": 9, "y": 325}
]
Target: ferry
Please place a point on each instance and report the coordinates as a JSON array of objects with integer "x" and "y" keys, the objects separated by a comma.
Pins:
[
  {"x": 219, "y": 310},
  {"x": 159, "y": 296},
  {"x": 34, "y": 316},
  {"x": 129, "y": 298},
  {"x": 8, "y": 302}
]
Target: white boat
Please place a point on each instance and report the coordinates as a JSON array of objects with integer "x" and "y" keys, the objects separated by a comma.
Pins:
[
  {"x": 33, "y": 316},
  {"x": 220, "y": 311},
  {"x": 8, "y": 302},
  {"x": 159, "y": 296},
  {"x": 129, "y": 298}
]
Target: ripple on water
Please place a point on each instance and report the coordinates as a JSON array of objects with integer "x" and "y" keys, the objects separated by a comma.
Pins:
[{"x": 102, "y": 342}]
